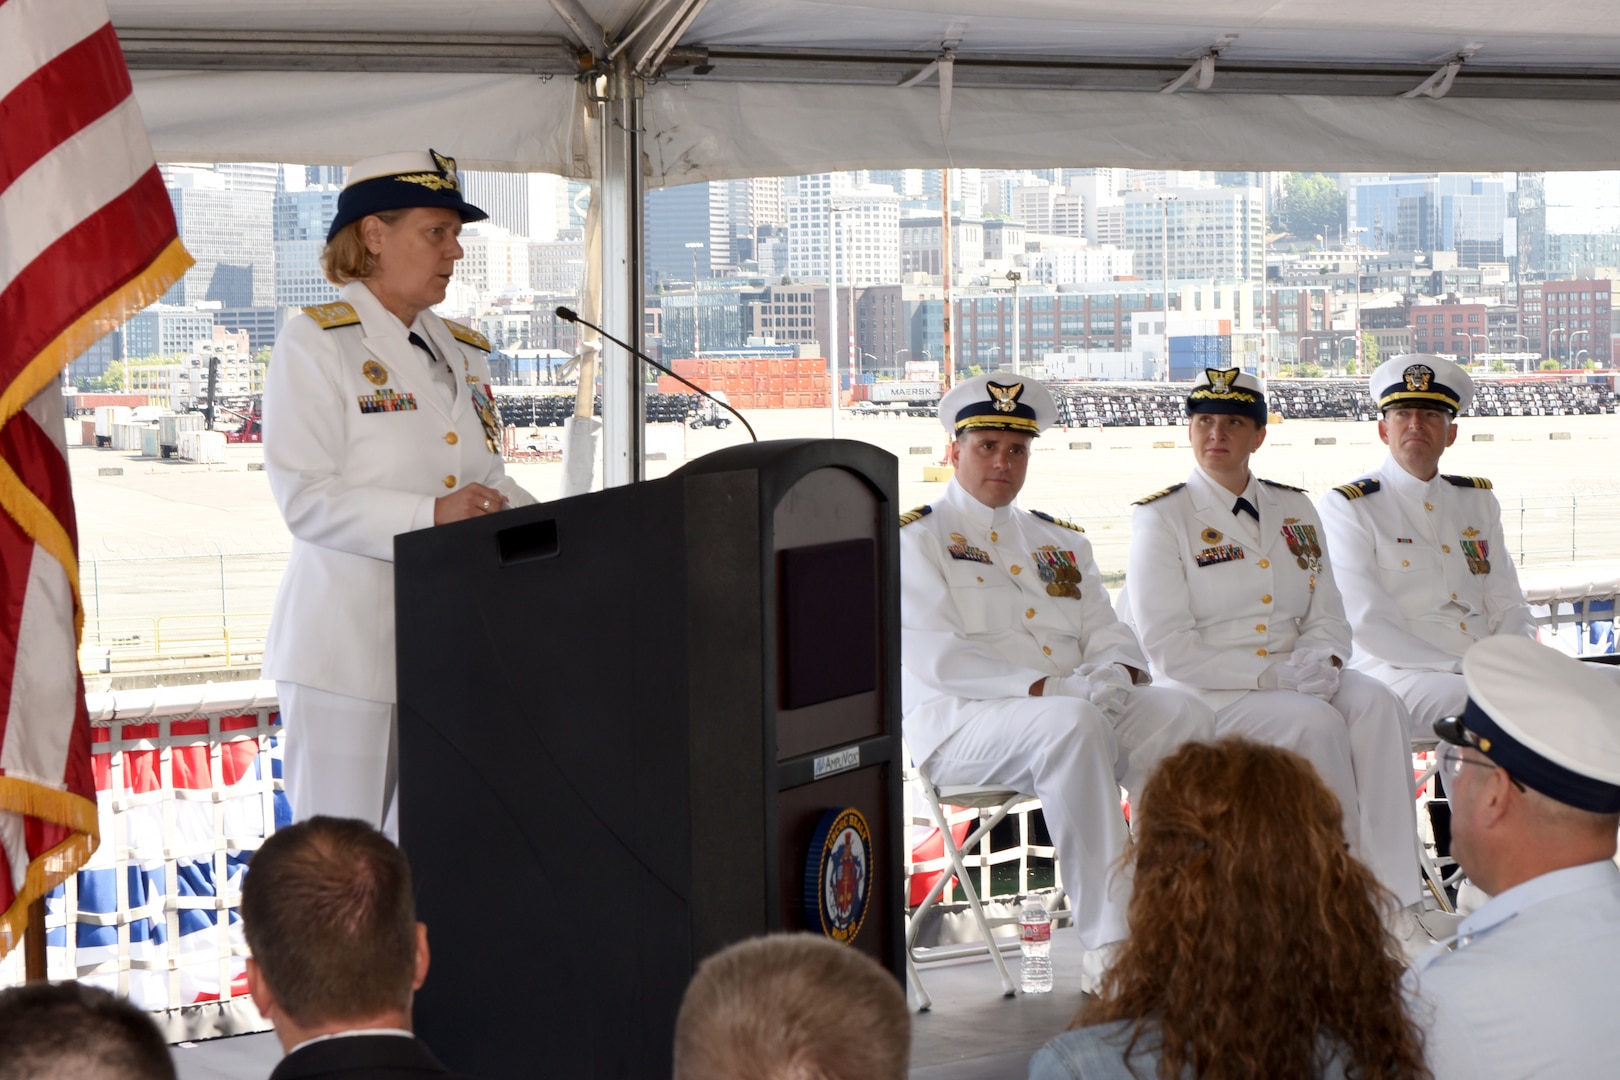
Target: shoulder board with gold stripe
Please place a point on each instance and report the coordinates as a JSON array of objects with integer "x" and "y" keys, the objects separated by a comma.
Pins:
[
  {"x": 1357, "y": 488},
  {"x": 1171, "y": 490},
  {"x": 1467, "y": 481},
  {"x": 333, "y": 315},
  {"x": 1285, "y": 487},
  {"x": 467, "y": 335},
  {"x": 915, "y": 515},
  {"x": 1057, "y": 521}
]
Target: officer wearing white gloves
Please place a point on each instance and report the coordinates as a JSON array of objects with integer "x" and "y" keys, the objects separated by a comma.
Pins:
[
  {"x": 1526, "y": 988},
  {"x": 1420, "y": 555},
  {"x": 1015, "y": 669},
  {"x": 378, "y": 420},
  {"x": 1231, "y": 590}
]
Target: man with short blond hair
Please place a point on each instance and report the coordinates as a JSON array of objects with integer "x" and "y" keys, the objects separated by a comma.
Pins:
[{"x": 792, "y": 1007}]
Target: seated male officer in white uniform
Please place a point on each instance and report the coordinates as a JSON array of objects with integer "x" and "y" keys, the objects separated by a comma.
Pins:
[
  {"x": 1419, "y": 555},
  {"x": 1015, "y": 669},
  {"x": 1231, "y": 588},
  {"x": 1526, "y": 988}
]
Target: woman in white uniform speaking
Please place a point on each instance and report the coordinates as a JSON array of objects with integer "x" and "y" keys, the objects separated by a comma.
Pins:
[
  {"x": 1232, "y": 593},
  {"x": 378, "y": 419}
]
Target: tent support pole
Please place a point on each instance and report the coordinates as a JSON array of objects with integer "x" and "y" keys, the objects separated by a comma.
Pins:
[{"x": 623, "y": 402}]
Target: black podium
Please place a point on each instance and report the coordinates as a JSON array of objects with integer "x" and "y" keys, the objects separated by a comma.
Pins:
[{"x": 636, "y": 726}]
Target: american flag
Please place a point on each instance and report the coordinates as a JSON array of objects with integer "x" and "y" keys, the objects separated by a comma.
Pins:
[{"x": 87, "y": 238}]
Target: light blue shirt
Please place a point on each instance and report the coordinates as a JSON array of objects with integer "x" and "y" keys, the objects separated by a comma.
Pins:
[
  {"x": 1098, "y": 1053},
  {"x": 1527, "y": 987}
]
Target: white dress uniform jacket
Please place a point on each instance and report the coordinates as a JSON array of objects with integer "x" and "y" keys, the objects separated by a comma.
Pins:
[
  {"x": 1217, "y": 599},
  {"x": 977, "y": 620},
  {"x": 1216, "y": 608},
  {"x": 1526, "y": 989},
  {"x": 992, "y": 601},
  {"x": 1424, "y": 570},
  {"x": 359, "y": 440}
]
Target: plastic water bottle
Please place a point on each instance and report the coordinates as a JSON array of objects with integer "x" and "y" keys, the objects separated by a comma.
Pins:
[{"x": 1035, "y": 935}]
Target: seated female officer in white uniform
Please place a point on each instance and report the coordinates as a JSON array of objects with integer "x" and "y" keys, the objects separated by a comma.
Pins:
[
  {"x": 378, "y": 420},
  {"x": 1233, "y": 597}
]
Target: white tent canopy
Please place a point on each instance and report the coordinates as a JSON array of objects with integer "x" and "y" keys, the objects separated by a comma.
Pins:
[
  {"x": 638, "y": 93},
  {"x": 754, "y": 87}
]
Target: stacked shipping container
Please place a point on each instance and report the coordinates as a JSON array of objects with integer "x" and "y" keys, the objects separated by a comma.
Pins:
[{"x": 756, "y": 384}]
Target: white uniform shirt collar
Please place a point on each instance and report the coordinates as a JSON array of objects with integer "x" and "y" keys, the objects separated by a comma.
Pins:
[
  {"x": 957, "y": 497},
  {"x": 1503, "y": 907},
  {"x": 398, "y": 1032},
  {"x": 1218, "y": 492},
  {"x": 1212, "y": 493},
  {"x": 1408, "y": 485}
]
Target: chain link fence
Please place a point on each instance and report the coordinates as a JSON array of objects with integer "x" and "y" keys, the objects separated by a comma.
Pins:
[{"x": 177, "y": 611}]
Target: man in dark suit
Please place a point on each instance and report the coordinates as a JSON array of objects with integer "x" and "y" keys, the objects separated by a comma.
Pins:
[{"x": 337, "y": 952}]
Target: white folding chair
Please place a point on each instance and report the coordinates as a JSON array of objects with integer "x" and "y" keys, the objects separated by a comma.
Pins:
[{"x": 993, "y": 804}]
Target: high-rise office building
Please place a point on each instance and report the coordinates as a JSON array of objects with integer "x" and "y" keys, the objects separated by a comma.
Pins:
[
  {"x": 1211, "y": 233},
  {"x": 1455, "y": 212},
  {"x": 868, "y": 229},
  {"x": 224, "y": 220},
  {"x": 299, "y": 223}
]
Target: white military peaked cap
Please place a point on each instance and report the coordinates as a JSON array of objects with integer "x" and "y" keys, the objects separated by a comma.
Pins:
[
  {"x": 999, "y": 401},
  {"x": 1550, "y": 720}
]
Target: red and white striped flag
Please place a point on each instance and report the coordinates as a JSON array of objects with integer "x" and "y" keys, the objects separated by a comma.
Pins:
[{"x": 87, "y": 238}]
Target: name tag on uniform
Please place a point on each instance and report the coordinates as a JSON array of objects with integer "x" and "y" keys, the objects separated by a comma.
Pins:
[
  {"x": 1225, "y": 553},
  {"x": 387, "y": 401}
]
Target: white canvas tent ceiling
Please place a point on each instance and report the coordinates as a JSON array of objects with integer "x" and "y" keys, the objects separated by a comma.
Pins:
[{"x": 757, "y": 87}]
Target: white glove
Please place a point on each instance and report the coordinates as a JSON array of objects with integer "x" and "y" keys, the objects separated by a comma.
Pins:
[
  {"x": 1105, "y": 686},
  {"x": 1307, "y": 671}
]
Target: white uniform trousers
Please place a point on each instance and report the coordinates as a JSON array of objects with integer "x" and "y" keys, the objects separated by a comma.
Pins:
[
  {"x": 1435, "y": 695},
  {"x": 341, "y": 757},
  {"x": 1360, "y": 746},
  {"x": 1068, "y": 754},
  {"x": 1428, "y": 696}
]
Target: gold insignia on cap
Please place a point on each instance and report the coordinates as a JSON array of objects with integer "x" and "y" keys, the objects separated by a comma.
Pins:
[
  {"x": 1418, "y": 377},
  {"x": 1006, "y": 397},
  {"x": 1484, "y": 744},
  {"x": 447, "y": 165},
  {"x": 1221, "y": 381},
  {"x": 374, "y": 372},
  {"x": 1210, "y": 536}
]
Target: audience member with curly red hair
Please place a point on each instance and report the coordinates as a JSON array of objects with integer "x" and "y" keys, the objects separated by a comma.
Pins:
[{"x": 1257, "y": 945}]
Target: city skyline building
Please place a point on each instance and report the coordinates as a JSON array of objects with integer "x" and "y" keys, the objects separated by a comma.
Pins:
[
  {"x": 1212, "y": 233},
  {"x": 224, "y": 220}
]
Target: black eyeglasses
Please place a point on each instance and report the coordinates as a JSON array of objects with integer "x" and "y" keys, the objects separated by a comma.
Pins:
[{"x": 1452, "y": 761}]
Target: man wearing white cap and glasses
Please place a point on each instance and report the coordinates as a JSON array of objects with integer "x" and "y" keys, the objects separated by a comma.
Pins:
[
  {"x": 1015, "y": 669},
  {"x": 1232, "y": 589},
  {"x": 1526, "y": 988},
  {"x": 1419, "y": 555},
  {"x": 378, "y": 419}
]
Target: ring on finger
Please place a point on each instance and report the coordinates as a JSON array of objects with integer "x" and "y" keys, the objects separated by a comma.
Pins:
[{"x": 486, "y": 504}]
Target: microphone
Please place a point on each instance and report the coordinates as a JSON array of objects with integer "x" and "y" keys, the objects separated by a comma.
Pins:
[{"x": 568, "y": 314}]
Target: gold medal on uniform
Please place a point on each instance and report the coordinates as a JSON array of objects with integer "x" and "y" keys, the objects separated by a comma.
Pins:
[
  {"x": 1059, "y": 570},
  {"x": 487, "y": 416},
  {"x": 1302, "y": 543},
  {"x": 1210, "y": 536},
  {"x": 1477, "y": 552},
  {"x": 374, "y": 372}
]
